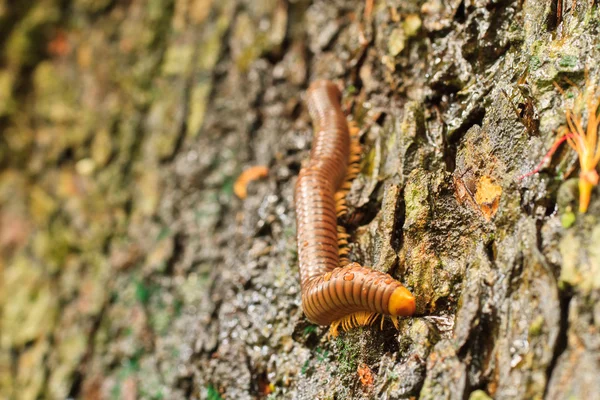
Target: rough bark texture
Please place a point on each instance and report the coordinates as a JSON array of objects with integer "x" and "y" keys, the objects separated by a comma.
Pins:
[{"x": 129, "y": 269}]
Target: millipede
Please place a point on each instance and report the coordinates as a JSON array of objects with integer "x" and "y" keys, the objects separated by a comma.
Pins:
[{"x": 335, "y": 291}]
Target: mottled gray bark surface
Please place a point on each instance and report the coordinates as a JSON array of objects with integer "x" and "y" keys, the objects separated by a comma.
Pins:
[{"x": 129, "y": 269}]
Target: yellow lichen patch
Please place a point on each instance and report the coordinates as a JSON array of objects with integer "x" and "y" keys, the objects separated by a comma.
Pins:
[
  {"x": 251, "y": 174},
  {"x": 487, "y": 196}
]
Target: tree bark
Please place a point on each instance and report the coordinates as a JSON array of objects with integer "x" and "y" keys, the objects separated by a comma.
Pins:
[{"x": 129, "y": 268}]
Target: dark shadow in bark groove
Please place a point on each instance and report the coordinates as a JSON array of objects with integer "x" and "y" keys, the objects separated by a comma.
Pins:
[{"x": 562, "y": 338}]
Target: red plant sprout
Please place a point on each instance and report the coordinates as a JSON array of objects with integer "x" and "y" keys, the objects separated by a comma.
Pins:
[{"x": 548, "y": 156}]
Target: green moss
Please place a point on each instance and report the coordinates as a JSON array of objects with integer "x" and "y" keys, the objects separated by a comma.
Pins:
[
  {"x": 92, "y": 6},
  {"x": 177, "y": 308},
  {"x": 129, "y": 368},
  {"x": 142, "y": 292},
  {"x": 322, "y": 355},
  {"x": 392, "y": 376},
  {"x": 164, "y": 233},
  {"x": 368, "y": 165},
  {"x": 305, "y": 367},
  {"x": 347, "y": 356},
  {"x": 227, "y": 186},
  {"x": 178, "y": 59},
  {"x": 7, "y": 103},
  {"x": 416, "y": 194},
  {"x": 25, "y": 44},
  {"x": 567, "y": 219},
  {"x": 568, "y": 61},
  {"x": 479, "y": 395},
  {"x": 161, "y": 319},
  {"x": 535, "y": 63},
  {"x": 198, "y": 104},
  {"x": 309, "y": 330},
  {"x": 212, "y": 393}
]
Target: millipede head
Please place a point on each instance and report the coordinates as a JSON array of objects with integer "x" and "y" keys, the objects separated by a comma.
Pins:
[{"x": 402, "y": 303}]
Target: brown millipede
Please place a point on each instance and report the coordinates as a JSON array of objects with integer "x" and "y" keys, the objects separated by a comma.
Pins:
[{"x": 335, "y": 291}]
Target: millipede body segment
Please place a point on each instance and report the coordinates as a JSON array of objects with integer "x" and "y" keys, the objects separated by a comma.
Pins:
[{"x": 335, "y": 291}]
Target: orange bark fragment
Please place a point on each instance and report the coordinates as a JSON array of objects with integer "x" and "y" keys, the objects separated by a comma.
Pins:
[
  {"x": 59, "y": 45},
  {"x": 368, "y": 9},
  {"x": 487, "y": 196},
  {"x": 365, "y": 375},
  {"x": 240, "y": 187}
]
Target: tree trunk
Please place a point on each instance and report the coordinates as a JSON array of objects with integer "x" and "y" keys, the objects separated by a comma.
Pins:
[{"x": 130, "y": 269}]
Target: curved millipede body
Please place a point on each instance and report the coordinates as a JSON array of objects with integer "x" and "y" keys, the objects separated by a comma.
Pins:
[{"x": 335, "y": 291}]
